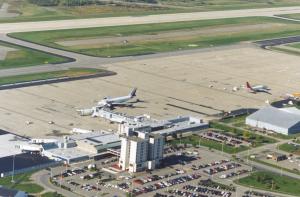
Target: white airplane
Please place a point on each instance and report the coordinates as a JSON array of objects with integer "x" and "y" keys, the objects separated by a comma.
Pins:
[
  {"x": 117, "y": 101},
  {"x": 111, "y": 103},
  {"x": 257, "y": 88}
]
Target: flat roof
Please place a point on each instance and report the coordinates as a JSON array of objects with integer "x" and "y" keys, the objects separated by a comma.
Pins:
[
  {"x": 8, "y": 143},
  {"x": 98, "y": 138},
  {"x": 68, "y": 153}
]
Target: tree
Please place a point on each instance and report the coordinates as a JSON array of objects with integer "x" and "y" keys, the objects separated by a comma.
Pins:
[{"x": 246, "y": 134}]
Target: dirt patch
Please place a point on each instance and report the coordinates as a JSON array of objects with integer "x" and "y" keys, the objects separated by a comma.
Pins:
[{"x": 173, "y": 35}]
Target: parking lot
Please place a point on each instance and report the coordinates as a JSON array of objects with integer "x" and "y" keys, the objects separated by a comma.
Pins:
[
  {"x": 202, "y": 173},
  {"x": 227, "y": 138}
]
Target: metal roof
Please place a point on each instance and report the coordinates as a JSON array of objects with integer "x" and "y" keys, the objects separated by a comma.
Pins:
[{"x": 284, "y": 118}]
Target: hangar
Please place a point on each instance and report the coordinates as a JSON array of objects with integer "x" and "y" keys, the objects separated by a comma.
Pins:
[{"x": 281, "y": 120}]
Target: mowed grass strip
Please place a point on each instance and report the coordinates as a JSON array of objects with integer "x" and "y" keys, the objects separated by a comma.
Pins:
[
  {"x": 22, "y": 182},
  {"x": 23, "y": 57},
  {"x": 229, "y": 4},
  {"x": 290, "y": 148},
  {"x": 73, "y": 72},
  {"x": 292, "y": 16},
  {"x": 297, "y": 45},
  {"x": 49, "y": 38},
  {"x": 272, "y": 182}
]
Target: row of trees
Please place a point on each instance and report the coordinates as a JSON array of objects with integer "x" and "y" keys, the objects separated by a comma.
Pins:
[
  {"x": 63, "y": 2},
  {"x": 45, "y": 2},
  {"x": 77, "y": 2}
]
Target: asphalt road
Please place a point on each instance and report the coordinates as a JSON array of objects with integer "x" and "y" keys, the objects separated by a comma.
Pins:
[
  {"x": 42, "y": 178},
  {"x": 132, "y": 20}
]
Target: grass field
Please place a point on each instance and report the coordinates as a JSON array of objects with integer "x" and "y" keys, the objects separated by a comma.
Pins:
[
  {"x": 277, "y": 28},
  {"x": 297, "y": 45},
  {"x": 293, "y": 16},
  {"x": 23, "y": 57},
  {"x": 195, "y": 140},
  {"x": 229, "y": 4},
  {"x": 22, "y": 182},
  {"x": 73, "y": 72},
  {"x": 290, "y": 148},
  {"x": 272, "y": 182},
  {"x": 32, "y": 12}
]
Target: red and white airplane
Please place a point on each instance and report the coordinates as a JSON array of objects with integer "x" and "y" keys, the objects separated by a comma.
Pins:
[{"x": 257, "y": 88}]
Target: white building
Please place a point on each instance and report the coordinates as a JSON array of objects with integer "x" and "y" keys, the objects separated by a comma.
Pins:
[
  {"x": 144, "y": 151},
  {"x": 81, "y": 146},
  {"x": 180, "y": 124},
  {"x": 281, "y": 120}
]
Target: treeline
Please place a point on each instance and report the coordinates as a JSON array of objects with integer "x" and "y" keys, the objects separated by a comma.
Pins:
[
  {"x": 45, "y": 2},
  {"x": 63, "y": 2},
  {"x": 79, "y": 2},
  {"x": 143, "y": 1}
]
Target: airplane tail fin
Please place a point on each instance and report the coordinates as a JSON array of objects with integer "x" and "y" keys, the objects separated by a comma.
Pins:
[
  {"x": 248, "y": 86},
  {"x": 133, "y": 92}
]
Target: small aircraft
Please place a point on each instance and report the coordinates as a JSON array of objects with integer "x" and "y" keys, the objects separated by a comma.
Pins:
[
  {"x": 111, "y": 103},
  {"x": 257, "y": 88}
]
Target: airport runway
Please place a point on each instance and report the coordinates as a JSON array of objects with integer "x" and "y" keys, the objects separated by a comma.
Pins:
[
  {"x": 132, "y": 20},
  {"x": 96, "y": 62}
]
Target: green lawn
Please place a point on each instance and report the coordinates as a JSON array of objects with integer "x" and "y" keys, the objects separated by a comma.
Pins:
[
  {"x": 195, "y": 140},
  {"x": 23, "y": 57},
  {"x": 22, "y": 182},
  {"x": 293, "y": 16},
  {"x": 229, "y": 4},
  {"x": 290, "y": 148},
  {"x": 272, "y": 182},
  {"x": 236, "y": 119},
  {"x": 297, "y": 45},
  {"x": 73, "y": 72},
  {"x": 50, "y": 38}
]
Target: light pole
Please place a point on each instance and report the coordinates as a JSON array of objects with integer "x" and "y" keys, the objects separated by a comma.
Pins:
[{"x": 12, "y": 177}]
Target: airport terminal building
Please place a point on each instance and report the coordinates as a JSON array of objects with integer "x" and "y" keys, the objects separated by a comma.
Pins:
[{"x": 280, "y": 120}]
